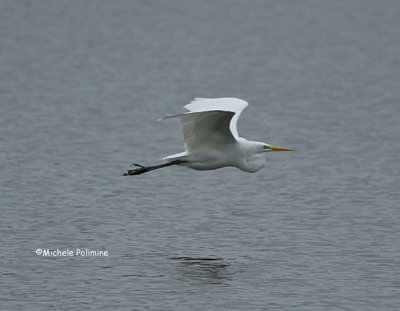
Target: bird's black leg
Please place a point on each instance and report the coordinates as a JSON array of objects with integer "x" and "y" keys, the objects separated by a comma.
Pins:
[{"x": 143, "y": 169}]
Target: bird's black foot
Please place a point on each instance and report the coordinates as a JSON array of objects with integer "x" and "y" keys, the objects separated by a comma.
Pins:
[
  {"x": 137, "y": 171},
  {"x": 138, "y": 165}
]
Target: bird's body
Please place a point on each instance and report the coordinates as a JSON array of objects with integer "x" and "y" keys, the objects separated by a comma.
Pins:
[
  {"x": 241, "y": 154},
  {"x": 211, "y": 139}
]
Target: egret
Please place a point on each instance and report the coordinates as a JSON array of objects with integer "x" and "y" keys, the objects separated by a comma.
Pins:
[{"x": 211, "y": 139}]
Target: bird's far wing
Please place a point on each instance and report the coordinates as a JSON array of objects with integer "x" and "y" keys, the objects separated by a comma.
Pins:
[
  {"x": 234, "y": 105},
  {"x": 205, "y": 128}
]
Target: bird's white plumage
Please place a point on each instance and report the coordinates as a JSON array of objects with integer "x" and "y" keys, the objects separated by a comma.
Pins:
[
  {"x": 209, "y": 122},
  {"x": 211, "y": 138},
  {"x": 234, "y": 105},
  {"x": 205, "y": 128}
]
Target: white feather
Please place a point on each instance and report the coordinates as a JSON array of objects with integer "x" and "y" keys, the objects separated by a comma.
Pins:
[{"x": 223, "y": 104}]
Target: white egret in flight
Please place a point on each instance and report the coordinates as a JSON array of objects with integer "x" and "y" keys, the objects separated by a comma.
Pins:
[{"x": 211, "y": 139}]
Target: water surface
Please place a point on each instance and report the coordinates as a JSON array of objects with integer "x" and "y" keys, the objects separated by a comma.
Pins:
[{"x": 82, "y": 84}]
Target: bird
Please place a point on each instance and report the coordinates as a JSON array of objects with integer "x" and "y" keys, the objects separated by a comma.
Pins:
[{"x": 211, "y": 139}]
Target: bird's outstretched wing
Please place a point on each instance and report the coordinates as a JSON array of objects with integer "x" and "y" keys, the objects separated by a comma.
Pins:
[
  {"x": 235, "y": 105},
  {"x": 210, "y": 121},
  {"x": 205, "y": 128}
]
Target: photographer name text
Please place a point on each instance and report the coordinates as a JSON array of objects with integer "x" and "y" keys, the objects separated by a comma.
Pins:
[{"x": 77, "y": 252}]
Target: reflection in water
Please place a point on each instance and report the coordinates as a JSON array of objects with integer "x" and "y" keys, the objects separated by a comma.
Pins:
[{"x": 210, "y": 270}]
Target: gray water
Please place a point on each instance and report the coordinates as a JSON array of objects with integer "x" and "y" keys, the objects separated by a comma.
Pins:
[{"x": 82, "y": 84}]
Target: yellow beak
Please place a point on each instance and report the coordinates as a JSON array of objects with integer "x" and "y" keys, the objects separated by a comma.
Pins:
[{"x": 276, "y": 148}]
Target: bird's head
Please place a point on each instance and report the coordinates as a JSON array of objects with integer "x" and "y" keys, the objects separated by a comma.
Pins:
[{"x": 255, "y": 158}]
